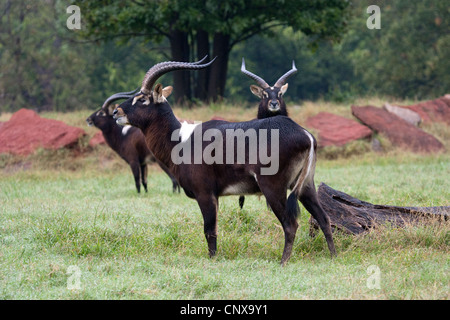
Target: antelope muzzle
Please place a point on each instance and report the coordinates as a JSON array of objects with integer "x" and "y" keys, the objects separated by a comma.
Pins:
[
  {"x": 120, "y": 116},
  {"x": 274, "y": 105}
]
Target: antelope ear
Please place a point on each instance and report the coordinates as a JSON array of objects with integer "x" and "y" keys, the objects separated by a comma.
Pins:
[
  {"x": 283, "y": 89},
  {"x": 167, "y": 91},
  {"x": 257, "y": 91},
  {"x": 158, "y": 94}
]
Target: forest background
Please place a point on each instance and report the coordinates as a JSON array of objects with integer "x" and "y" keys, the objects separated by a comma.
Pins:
[{"x": 47, "y": 66}]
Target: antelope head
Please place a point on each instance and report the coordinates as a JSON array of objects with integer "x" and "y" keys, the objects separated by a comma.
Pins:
[
  {"x": 152, "y": 100},
  {"x": 272, "y": 102}
]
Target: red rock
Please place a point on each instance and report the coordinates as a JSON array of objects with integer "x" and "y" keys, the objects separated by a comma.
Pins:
[
  {"x": 336, "y": 130},
  {"x": 437, "y": 110},
  {"x": 97, "y": 139},
  {"x": 26, "y": 131},
  {"x": 446, "y": 99},
  {"x": 398, "y": 131},
  {"x": 405, "y": 113}
]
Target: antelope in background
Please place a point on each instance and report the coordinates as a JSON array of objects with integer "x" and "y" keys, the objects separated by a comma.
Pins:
[
  {"x": 128, "y": 142},
  {"x": 272, "y": 102}
]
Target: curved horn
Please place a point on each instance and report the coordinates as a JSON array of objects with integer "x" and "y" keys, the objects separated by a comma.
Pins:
[
  {"x": 200, "y": 61},
  {"x": 118, "y": 96},
  {"x": 161, "y": 68},
  {"x": 253, "y": 76},
  {"x": 284, "y": 77}
]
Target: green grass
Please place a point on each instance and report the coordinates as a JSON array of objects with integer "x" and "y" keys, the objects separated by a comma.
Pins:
[
  {"x": 69, "y": 210},
  {"x": 130, "y": 246}
]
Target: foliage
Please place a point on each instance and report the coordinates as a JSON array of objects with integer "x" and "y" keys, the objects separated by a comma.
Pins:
[
  {"x": 322, "y": 73},
  {"x": 196, "y": 28},
  {"x": 38, "y": 67},
  {"x": 408, "y": 55},
  {"x": 45, "y": 66}
]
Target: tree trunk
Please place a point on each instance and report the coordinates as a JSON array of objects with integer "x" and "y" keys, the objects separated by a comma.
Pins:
[
  {"x": 354, "y": 216},
  {"x": 201, "y": 89},
  {"x": 179, "y": 47},
  {"x": 218, "y": 71}
]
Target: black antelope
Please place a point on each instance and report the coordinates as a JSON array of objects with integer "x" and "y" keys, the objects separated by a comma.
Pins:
[
  {"x": 128, "y": 142},
  {"x": 272, "y": 102},
  {"x": 246, "y": 170}
]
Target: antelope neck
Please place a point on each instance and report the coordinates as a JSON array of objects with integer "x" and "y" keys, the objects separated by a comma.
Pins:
[{"x": 158, "y": 134}]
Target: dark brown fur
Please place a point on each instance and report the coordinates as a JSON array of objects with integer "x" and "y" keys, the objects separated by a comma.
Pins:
[
  {"x": 270, "y": 97},
  {"x": 206, "y": 183},
  {"x": 131, "y": 147}
]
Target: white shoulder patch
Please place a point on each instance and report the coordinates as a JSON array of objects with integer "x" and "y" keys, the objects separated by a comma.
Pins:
[
  {"x": 125, "y": 129},
  {"x": 186, "y": 130}
]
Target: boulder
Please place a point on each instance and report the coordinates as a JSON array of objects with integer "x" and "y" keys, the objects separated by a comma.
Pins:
[
  {"x": 336, "y": 130},
  {"x": 398, "y": 131},
  {"x": 97, "y": 139},
  {"x": 437, "y": 110},
  {"x": 406, "y": 114},
  {"x": 26, "y": 131}
]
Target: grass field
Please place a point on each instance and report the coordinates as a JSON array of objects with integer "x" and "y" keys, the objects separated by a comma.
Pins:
[{"x": 73, "y": 227}]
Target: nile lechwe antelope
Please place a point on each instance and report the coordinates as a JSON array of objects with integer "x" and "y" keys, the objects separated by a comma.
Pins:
[
  {"x": 128, "y": 142},
  {"x": 292, "y": 149}
]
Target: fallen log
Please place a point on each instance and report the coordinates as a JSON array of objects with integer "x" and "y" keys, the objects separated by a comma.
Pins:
[{"x": 353, "y": 216}]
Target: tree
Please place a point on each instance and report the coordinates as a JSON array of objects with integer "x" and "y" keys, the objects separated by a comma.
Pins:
[
  {"x": 38, "y": 69},
  {"x": 195, "y": 28},
  {"x": 408, "y": 56},
  {"x": 326, "y": 71}
]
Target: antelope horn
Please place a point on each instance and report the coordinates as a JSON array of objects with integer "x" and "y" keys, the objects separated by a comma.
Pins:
[
  {"x": 253, "y": 76},
  {"x": 200, "y": 61},
  {"x": 161, "y": 68},
  {"x": 284, "y": 77},
  {"x": 118, "y": 96}
]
